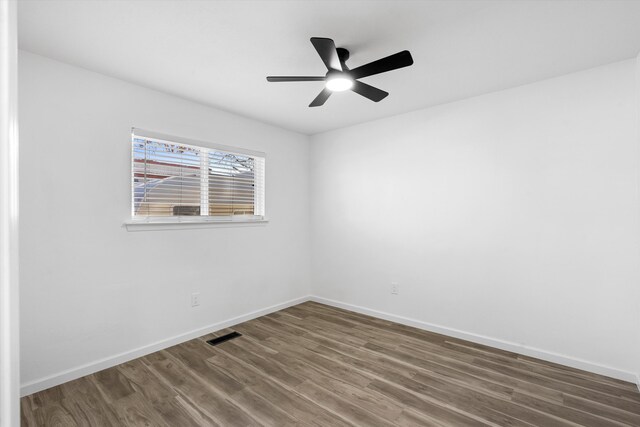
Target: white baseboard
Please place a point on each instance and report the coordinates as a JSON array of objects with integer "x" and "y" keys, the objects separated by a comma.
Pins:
[
  {"x": 90, "y": 368},
  {"x": 108, "y": 362},
  {"x": 493, "y": 342}
]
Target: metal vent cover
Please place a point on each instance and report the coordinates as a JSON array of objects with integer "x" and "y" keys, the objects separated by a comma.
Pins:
[{"x": 224, "y": 338}]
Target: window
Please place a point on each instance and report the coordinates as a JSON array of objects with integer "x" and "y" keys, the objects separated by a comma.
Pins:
[{"x": 189, "y": 182}]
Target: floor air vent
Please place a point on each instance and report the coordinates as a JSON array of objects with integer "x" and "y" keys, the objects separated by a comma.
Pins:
[{"x": 220, "y": 340}]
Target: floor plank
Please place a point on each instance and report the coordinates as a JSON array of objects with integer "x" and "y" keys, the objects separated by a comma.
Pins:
[{"x": 316, "y": 365}]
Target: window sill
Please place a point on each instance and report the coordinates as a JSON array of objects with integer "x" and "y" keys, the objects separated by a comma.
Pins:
[{"x": 140, "y": 225}]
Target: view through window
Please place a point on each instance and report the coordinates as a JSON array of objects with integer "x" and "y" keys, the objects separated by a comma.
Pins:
[{"x": 171, "y": 179}]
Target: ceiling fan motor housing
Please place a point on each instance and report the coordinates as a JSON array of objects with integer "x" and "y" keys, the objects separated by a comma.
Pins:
[{"x": 343, "y": 54}]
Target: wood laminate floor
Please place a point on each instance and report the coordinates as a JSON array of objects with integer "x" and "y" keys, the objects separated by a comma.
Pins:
[{"x": 317, "y": 365}]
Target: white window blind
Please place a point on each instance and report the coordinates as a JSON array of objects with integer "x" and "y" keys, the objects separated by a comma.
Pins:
[{"x": 190, "y": 182}]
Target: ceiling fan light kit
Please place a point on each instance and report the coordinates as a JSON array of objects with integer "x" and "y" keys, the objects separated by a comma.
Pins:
[
  {"x": 340, "y": 78},
  {"x": 339, "y": 82}
]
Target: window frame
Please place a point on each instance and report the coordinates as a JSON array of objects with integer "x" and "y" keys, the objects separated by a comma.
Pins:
[{"x": 187, "y": 221}]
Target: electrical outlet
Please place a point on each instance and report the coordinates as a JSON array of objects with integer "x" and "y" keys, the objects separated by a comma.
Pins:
[
  {"x": 195, "y": 299},
  {"x": 395, "y": 288}
]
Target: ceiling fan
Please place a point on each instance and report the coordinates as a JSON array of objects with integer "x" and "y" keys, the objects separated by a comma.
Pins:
[{"x": 340, "y": 78}]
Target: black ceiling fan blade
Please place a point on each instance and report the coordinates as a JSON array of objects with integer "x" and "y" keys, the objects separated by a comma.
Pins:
[
  {"x": 327, "y": 50},
  {"x": 392, "y": 62},
  {"x": 368, "y": 91},
  {"x": 295, "y": 79},
  {"x": 321, "y": 98}
]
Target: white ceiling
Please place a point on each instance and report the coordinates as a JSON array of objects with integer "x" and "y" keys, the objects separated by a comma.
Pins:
[{"x": 219, "y": 52}]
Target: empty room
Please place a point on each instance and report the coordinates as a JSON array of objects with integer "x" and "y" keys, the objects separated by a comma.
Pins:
[{"x": 319, "y": 213}]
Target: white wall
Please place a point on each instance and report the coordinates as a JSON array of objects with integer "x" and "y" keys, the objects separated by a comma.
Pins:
[
  {"x": 92, "y": 290},
  {"x": 513, "y": 216}
]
